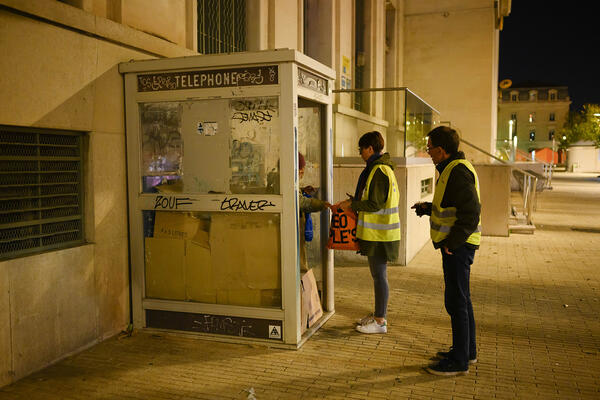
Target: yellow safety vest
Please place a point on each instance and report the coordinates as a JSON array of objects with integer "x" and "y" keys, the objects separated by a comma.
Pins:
[
  {"x": 382, "y": 225},
  {"x": 442, "y": 219}
]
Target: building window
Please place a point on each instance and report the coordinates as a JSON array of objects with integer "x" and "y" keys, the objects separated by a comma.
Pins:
[
  {"x": 41, "y": 190},
  {"x": 552, "y": 95},
  {"x": 514, "y": 96},
  {"x": 513, "y": 116},
  {"x": 361, "y": 99},
  {"x": 531, "y": 136},
  {"x": 221, "y": 26},
  {"x": 532, "y": 117},
  {"x": 552, "y": 116},
  {"x": 551, "y": 134},
  {"x": 533, "y": 95},
  {"x": 426, "y": 187}
]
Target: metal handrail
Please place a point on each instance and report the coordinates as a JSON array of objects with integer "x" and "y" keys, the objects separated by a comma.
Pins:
[
  {"x": 496, "y": 158},
  {"x": 529, "y": 182},
  {"x": 547, "y": 167}
]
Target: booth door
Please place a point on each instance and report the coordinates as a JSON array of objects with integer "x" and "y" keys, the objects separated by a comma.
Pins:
[{"x": 310, "y": 133}]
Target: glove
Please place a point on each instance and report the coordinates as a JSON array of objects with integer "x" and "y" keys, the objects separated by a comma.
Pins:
[{"x": 422, "y": 209}]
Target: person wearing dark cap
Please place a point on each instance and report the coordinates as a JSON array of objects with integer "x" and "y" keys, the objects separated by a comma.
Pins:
[
  {"x": 378, "y": 228},
  {"x": 455, "y": 230},
  {"x": 307, "y": 204}
]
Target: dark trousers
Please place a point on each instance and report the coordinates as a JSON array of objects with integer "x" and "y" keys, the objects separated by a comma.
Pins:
[
  {"x": 378, "y": 267},
  {"x": 457, "y": 298}
]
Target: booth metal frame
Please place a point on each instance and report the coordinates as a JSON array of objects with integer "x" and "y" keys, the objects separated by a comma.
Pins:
[{"x": 299, "y": 77}]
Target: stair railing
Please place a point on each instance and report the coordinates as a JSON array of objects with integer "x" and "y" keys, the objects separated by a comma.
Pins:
[{"x": 529, "y": 182}]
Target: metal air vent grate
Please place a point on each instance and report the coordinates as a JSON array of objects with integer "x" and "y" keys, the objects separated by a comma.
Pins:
[{"x": 40, "y": 190}]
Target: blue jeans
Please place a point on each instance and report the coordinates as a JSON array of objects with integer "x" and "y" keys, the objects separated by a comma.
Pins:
[
  {"x": 378, "y": 267},
  {"x": 457, "y": 298}
]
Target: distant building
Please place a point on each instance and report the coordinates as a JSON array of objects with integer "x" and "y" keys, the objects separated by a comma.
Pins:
[{"x": 535, "y": 113}]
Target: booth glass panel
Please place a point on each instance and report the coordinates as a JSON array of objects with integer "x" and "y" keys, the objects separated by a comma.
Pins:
[
  {"x": 213, "y": 257},
  {"x": 211, "y": 146},
  {"x": 309, "y": 144}
]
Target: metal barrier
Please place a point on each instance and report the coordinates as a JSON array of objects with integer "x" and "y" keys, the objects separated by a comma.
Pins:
[
  {"x": 548, "y": 168},
  {"x": 528, "y": 184}
]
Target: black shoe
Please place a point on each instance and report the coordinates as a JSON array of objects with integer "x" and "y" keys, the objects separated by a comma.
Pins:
[
  {"x": 447, "y": 367},
  {"x": 440, "y": 355}
]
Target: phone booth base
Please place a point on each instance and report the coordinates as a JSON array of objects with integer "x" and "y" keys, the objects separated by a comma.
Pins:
[{"x": 216, "y": 231}]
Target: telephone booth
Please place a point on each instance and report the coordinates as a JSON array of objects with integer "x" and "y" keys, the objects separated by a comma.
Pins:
[{"x": 212, "y": 147}]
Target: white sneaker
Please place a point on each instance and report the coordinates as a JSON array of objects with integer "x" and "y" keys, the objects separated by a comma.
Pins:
[
  {"x": 372, "y": 327},
  {"x": 365, "y": 320}
]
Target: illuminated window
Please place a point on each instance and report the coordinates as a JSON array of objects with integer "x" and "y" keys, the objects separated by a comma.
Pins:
[
  {"x": 552, "y": 116},
  {"x": 532, "y": 117},
  {"x": 361, "y": 40},
  {"x": 533, "y": 95},
  {"x": 531, "y": 136},
  {"x": 221, "y": 26},
  {"x": 426, "y": 187}
]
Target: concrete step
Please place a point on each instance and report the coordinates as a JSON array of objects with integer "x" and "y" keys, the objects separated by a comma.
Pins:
[{"x": 521, "y": 228}]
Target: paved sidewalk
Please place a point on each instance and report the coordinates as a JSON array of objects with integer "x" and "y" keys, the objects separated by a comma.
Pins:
[{"x": 536, "y": 300}]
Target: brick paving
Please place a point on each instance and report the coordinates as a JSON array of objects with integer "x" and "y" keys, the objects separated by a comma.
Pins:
[{"x": 536, "y": 300}]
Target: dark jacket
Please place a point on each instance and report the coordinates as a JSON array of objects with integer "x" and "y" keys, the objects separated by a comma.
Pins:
[
  {"x": 310, "y": 205},
  {"x": 378, "y": 191},
  {"x": 462, "y": 194}
]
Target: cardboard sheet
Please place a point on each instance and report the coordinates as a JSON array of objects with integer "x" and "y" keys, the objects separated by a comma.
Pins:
[
  {"x": 165, "y": 268},
  {"x": 245, "y": 251},
  {"x": 175, "y": 225},
  {"x": 311, "y": 310},
  {"x": 233, "y": 260},
  {"x": 199, "y": 282}
]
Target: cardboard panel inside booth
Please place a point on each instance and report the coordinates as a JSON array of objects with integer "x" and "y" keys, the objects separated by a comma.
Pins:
[{"x": 213, "y": 257}]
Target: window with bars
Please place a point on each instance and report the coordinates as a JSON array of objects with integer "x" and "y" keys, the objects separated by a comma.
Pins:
[
  {"x": 360, "y": 36},
  {"x": 426, "y": 187},
  {"x": 221, "y": 26},
  {"x": 41, "y": 205}
]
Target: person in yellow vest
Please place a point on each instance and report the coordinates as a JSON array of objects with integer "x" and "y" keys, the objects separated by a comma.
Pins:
[
  {"x": 455, "y": 230},
  {"x": 378, "y": 227}
]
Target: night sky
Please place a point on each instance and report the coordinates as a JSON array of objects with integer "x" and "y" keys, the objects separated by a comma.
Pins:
[{"x": 553, "y": 42}]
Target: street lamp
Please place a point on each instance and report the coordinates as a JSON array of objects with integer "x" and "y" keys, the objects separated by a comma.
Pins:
[{"x": 513, "y": 124}]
